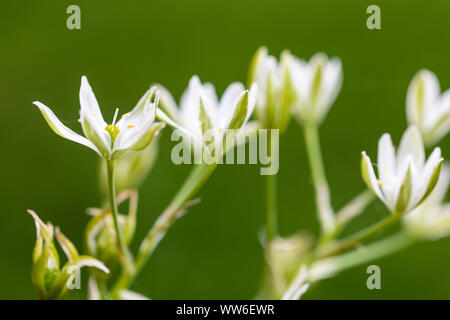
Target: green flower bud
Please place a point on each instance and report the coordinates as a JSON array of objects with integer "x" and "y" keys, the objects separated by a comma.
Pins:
[
  {"x": 100, "y": 236},
  {"x": 49, "y": 280}
]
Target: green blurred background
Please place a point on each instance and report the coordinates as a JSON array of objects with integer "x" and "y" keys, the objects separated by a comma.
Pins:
[{"x": 213, "y": 252}]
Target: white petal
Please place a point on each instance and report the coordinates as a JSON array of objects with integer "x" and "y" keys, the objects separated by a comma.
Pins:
[
  {"x": 167, "y": 103},
  {"x": 228, "y": 101},
  {"x": 331, "y": 85},
  {"x": 85, "y": 261},
  {"x": 252, "y": 96},
  {"x": 131, "y": 295},
  {"x": 95, "y": 131},
  {"x": 61, "y": 130},
  {"x": 424, "y": 179},
  {"x": 386, "y": 157},
  {"x": 369, "y": 175},
  {"x": 411, "y": 144},
  {"x": 164, "y": 117},
  {"x": 88, "y": 102}
]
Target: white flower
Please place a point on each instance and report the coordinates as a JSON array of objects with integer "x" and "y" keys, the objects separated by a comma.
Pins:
[
  {"x": 133, "y": 132},
  {"x": 427, "y": 108},
  {"x": 317, "y": 84},
  {"x": 201, "y": 112},
  {"x": 404, "y": 178},
  {"x": 432, "y": 218},
  {"x": 275, "y": 94}
]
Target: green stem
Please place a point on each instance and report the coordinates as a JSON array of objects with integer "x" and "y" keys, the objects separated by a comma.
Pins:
[
  {"x": 195, "y": 180},
  {"x": 123, "y": 251},
  {"x": 347, "y": 213},
  {"x": 356, "y": 238},
  {"x": 325, "y": 212},
  {"x": 371, "y": 252},
  {"x": 271, "y": 199}
]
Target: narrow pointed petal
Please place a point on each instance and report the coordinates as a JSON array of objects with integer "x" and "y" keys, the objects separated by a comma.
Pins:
[
  {"x": 139, "y": 140},
  {"x": 95, "y": 131},
  {"x": 61, "y": 130},
  {"x": 368, "y": 175},
  {"x": 86, "y": 261},
  {"x": 67, "y": 245},
  {"x": 411, "y": 144},
  {"x": 239, "y": 113},
  {"x": 406, "y": 190},
  {"x": 386, "y": 157},
  {"x": 167, "y": 103},
  {"x": 430, "y": 175},
  {"x": 165, "y": 118},
  {"x": 88, "y": 102}
]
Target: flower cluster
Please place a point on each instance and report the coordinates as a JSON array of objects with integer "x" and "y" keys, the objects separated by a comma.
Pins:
[{"x": 411, "y": 185}]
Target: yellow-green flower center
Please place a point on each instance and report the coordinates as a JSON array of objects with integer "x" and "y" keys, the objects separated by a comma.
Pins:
[{"x": 112, "y": 130}]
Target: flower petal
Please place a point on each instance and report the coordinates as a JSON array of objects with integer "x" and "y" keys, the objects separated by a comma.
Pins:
[
  {"x": 88, "y": 102},
  {"x": 61, "y": 130},
  {"x": 139, "y": 140},
  {"x": 406, "y": 189},
  {"x": 368, "y": 175},
  {"x": 386, "y": 157},
  {"x": 411, "y": 144}
]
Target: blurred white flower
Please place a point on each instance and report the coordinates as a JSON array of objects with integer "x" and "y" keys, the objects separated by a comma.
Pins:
[
  {"x": 201, "y": 112},
  {"x": 317, "y": 84},
  {"x": 133, "y": 131},
  {"x": 275, "y": 94},
  {"x": 404, "y": 178},
  {"x": 427, "y": 108},
  {"x": 432, "y": 218}
]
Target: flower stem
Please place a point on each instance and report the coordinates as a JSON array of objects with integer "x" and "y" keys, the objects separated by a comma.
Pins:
[
  {"x": 354, "y": 239},
  {"x": 271, "y": 199},
  {"x": 123, "y": 251},
  {"x": 195, "y": 180},
  {"x": 354, "y": 258},
  {"x": 325, "y": 212}
]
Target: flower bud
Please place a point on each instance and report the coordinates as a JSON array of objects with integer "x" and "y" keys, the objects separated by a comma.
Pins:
[
  {"x": 100, "y": 238},
  {"x": 49, "y": 280},
  {"x": 275, "y": 94},
  {"x": 317, "y": 84},
  {"x": 427, "y": 108}
]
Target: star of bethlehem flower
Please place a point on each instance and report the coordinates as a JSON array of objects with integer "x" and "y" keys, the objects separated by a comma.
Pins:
[
  {"x": 202, "y": 117},
  {"x": 432, "y": 218},
  {"x": 275, "y": 94},
  {"x": 404, "y": 178},
  {"x": 133, "y": 131},
  {"x": 317, "y": 84},
  {"x": 427, "y": 108}
]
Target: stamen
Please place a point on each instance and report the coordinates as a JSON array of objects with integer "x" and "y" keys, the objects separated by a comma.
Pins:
[
  {"x": 115, "y": 116},
  {"x": 125, "y": 115},
  {"x": 79, "y": 120},
  {"x": 131, "y": 126},
  {"x": 380, "y": 183}
]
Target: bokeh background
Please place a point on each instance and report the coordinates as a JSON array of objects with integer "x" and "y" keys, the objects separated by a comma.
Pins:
[{"x": 213, "y": 252}]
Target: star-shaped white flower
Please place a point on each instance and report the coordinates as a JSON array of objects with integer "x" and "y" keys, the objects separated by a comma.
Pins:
[
  {"x": 404, "y": 178},
  {"x": 432, "y": 218},
  {"x": 133, "y": 131},
  {"x": 201, "y": 112},
  {"x": 427, "y": 108},
  {"x": 275, "y": 94},
  {"x": 317, "y": 84}
]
